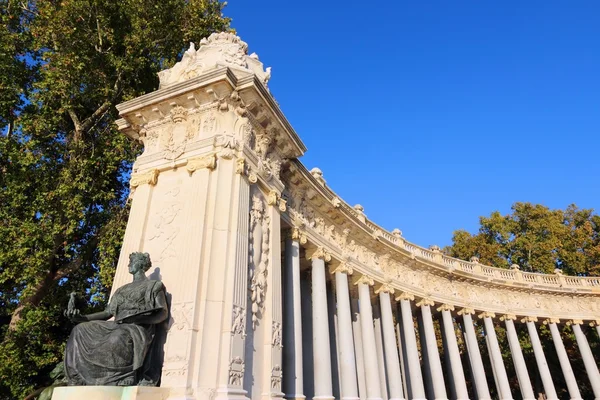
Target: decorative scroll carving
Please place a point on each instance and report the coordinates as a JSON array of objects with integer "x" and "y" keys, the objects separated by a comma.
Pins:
[
  {"x": 148, "y": 177},
  {"x": 236, "y": 371},
  {"x": 385, "y": 288},
  {"x": 446, "y": 307},
  {"x": 238, "y": 324},
  {"x": 276, "y": 335},
  {"x": 529, "y": 319},
  {"x": 343, "y": 267},
  {"x": 299, "y": 236},
  {"x": 229, "y": 147},
  {"x": 367, "y": 280},
  {"x": 259, "y": 257},
  {"x": 318, "y": 253},
  {"x": 487, "y": 314},
  {"x": 195, "y": 164},
  {"x": 405, "y": 296}
]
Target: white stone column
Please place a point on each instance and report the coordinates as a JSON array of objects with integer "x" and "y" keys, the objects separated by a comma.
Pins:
[
  {"x": 433, "y": 355},
  {"x": 358, "y": 348},
  {"x": 389, "y": 338},
  {"x": 347, "y": 360},
  {"x": 563, "y": 359},
  {"x": 321, "y": 346},
  {"x": 496, "y": 356},
  {"x": 540, "y": 358},
  {"x": 379, "y": 346},
  {"x": 479, "y": 380},
  {"x": 456, "y": 369},
  {"x": 586, "y": 354},
  {"x": 368, "y": 338},
  {"x": 412, "y": 355},
  {"x": 518, "y": 359},
  {"x": 292, "y": 328}
]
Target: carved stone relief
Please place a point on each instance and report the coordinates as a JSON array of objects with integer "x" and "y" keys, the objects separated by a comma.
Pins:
[
  {"x": 276, "y": 335},
  {"x": 276, "y": 374},
  {"x": 163, "y": 230},
  {"x": 238, "y": 325},
  {"x": 236, "y": 371},
  {"x": 259, "y": 257}
]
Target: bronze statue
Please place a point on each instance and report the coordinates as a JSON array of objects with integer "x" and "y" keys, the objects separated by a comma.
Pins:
[{"x": 118, "y": 352}]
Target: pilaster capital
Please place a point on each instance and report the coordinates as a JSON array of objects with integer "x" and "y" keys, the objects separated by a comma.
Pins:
[
  {"x": 240, "y": 165},
  {"x": 318, "y": 253},
  {"x": 364, "y": 279},
  {"x": 344, "y": 267},
  {"x": 551, "y": 320},
  {"x": 385, "y": 288},
  {"x": 487, "y": 314},
  {"x": 446, "y": 307},
  {"x": 142, "y": 178},
  {"x": 300, "y": 236},
  {"x": 405, "y": 296},
  {"x": 425, "y": 302},
  {"x": 508, "y": 317},
  {"x": 208, "y": 161},
  {"x": 529, "y": 319},
  {"x": 574, "y": 322},
  {"x": 466, "y": 311}
]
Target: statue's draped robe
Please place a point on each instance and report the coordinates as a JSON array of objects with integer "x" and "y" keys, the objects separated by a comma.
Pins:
[{"x": 112, "y": 353}]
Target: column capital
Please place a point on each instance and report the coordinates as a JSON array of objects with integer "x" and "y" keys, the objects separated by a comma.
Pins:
[
  {"x": 551, "y": 320},
  {"x": 466, "y": 311},
  {"x": 208, "y": 161},
  {"x": 343, "y": 267},
  {"x": 142, "y": 178},
  {"x": 595, "y": 323},
  {"x": 385, "y": 288},
  {"x": 405, "y": 296},
  {"x": 506, "y": 317},
  {"x": 446, "y": 307},
  {"x": 367, "y": 280},
  {"x": 529, "y": 319},
  {"x": 425, "y": 302},
  {"x": 318, "y": 253},
  {"x": 300, "y": 236},
  {"x": 574, "y": 322},
  {"x": 487, "y": 314},
  {"x": 240, "y": 165}
]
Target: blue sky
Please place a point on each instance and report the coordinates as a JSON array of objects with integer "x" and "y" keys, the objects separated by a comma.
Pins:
[{"x": 433, "y": 113}]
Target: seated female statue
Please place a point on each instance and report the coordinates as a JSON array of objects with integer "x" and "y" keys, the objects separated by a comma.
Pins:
[{"x": 117, "y": 352}]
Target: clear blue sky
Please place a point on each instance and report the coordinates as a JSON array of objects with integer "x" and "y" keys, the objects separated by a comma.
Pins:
[{"x": 433, "y": 113}]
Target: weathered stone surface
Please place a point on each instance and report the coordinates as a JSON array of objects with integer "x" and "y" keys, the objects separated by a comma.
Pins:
[{"x": 110, "y": 393}]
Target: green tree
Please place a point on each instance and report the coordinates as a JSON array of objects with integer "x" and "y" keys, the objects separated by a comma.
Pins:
[
  {"x": 64, "y": 65},
  {"x": 536, "y": 238}
]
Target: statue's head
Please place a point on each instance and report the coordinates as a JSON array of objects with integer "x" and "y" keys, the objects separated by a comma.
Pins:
[{"x": 139, "y": 262}]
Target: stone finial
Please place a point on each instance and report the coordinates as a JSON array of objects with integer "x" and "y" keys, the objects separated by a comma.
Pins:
[
  {"x": 474, "y": 259},
  {"x": 558, "y": 271},
  {"x": 318, "y": 175},
  {"x": 435, "y": 248},
  {"x": 397, "y": 233},
  {"x": 515, "y": 267},
  {"x": 222, "y": 49}
]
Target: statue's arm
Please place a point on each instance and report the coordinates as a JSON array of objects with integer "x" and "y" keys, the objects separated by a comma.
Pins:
[{"x": 99, "y": 316}]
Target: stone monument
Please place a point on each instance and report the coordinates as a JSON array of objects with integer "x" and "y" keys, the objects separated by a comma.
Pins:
[{"x": 279, "y": 288}]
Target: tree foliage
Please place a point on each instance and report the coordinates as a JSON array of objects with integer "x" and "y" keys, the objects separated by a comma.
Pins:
[
  {"x": 536, "y": 238},
  {"x": 64, "y": 65}
]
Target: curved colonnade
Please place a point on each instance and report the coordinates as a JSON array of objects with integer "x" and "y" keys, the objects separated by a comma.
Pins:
[
  {"x": 378, "y": 298},
  {"x": 281, "y": 289}
]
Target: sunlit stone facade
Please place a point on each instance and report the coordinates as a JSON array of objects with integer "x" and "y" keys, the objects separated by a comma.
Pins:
[{"x": 278, "y": 288}]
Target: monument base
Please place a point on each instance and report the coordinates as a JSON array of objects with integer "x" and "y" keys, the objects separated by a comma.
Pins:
[{"x": 110, "y": 393}]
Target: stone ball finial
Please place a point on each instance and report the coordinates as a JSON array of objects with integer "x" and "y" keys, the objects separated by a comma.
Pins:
[
  {"x": 515, "y": 267},
  {"x": 435, "y": 248},
  {"x": 474, "y": 259},
  {"x": 359, "y": 208},
  {"x": 558, "y": 271},
  {"x": 397, "y": 232}
]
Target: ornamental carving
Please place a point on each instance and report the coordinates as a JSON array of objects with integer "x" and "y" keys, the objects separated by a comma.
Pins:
[
  {"x": 177, "y": 134},
  {"x": 276, "y": 335},
  {"x": 197, "y": 163},
  {"x": 148, "y": 177},
  {"x": 276, "y": 374},
  {"x": 236, "y": 371},
  {"x": 259, "y": 257},
  {"x": 238, "y": 324}
]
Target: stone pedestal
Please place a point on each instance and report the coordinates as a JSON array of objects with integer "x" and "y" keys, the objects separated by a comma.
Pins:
[{"x": 110, "y": 393}]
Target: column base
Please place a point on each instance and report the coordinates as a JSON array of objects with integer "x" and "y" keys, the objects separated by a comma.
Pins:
[
  {"x": 323, "y": 398},
  {"x": 110, "y": 393},
  {"x": 353, "y": 398},
  {"x": 231, "y": 394},
  {"x": 295, "y": 397}
]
